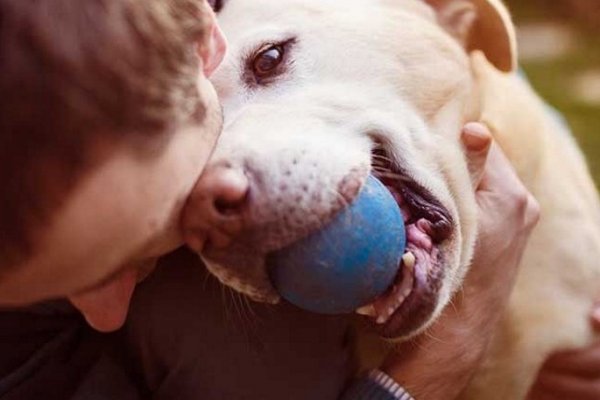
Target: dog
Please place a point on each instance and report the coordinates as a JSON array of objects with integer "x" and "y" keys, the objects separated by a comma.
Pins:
[{"x": 318, "y": 94}]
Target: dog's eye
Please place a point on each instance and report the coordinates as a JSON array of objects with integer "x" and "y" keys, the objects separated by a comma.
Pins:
[
  {"x": 265, "y": 63},
  {"x": 269, "y": 63}
]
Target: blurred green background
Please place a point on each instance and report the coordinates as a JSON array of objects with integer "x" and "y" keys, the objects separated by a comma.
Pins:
[{"x": 560, "y": 52}]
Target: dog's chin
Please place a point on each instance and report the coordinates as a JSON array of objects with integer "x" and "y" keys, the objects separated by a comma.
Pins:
[{"x": 415, "y": 298}]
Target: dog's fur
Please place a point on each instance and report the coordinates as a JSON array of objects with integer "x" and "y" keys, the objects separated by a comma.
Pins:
[{"x": 408, "y": 74}]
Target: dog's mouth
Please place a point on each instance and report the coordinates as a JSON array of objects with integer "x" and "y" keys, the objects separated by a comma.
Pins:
[{"x": 412, "y": 299}]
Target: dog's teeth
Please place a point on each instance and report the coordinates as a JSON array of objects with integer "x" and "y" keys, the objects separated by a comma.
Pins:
[
  {"x": 409, "y": 259},
  {"x": 401, "y": 292},
  {"x": 367, "y": 311}
]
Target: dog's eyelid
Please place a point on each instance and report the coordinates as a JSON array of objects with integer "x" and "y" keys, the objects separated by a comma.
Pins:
[
  {"x": 281, "y": 43},
  {"x": 284, "y": 41}
]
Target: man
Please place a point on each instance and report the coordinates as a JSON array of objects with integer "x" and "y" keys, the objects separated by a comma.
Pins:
[{"x": 107, "y": 119}]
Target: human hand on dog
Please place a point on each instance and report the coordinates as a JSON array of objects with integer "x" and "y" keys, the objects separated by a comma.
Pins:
[
  {"x": 440, "y": 363},
  {"x": 571, "y": 374}
]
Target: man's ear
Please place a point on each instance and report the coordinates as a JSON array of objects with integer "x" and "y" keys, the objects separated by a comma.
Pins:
[{"x": 483, "y": 25}]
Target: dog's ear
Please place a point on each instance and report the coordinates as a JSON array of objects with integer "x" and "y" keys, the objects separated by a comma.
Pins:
[{"x": 483, "y": 25}]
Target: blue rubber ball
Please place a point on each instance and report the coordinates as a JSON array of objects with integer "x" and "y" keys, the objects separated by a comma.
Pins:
[{"x": 349, "y": 262}]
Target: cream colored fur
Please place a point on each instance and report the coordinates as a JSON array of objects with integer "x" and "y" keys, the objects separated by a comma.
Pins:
[
  {"x": 392, "y": 67},
  {"x": 560, "y": 272}
]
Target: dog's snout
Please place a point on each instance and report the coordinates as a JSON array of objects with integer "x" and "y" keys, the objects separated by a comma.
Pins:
[{"x": 214, "y": 210}]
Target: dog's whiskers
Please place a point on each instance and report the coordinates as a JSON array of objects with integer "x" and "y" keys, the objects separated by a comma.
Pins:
[
  {"x": 234, "y": 297},
  {"x": 249, "y": 308},
  {"x": 381, "y": 168},
  {"x": 390, "y": 175},
  {"x": 225, "y": 302},
  {"x": 242, "y": 309},
  {"x": 379, "y": 157}
]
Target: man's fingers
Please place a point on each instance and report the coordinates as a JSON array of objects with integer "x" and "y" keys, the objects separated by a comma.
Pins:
[
  {"x": 584, "y": 363},
  {"x": 552, "y": 385},
  {"x": 501, "y": 179},
  {"x": 477, "y": 141}
]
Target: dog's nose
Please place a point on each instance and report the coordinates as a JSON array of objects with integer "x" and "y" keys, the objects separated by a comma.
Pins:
[{"x": 215, "y": 208}]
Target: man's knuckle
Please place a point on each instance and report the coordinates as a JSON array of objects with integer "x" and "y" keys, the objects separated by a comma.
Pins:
[
  {"x": 521, "y": 199},
  {"x": 535, "y": 210},
  {"x": 531, "y": 211},
  {"x": 527, "y": 208}
]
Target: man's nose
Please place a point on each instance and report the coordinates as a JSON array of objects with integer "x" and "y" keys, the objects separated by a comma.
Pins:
[
  {"x": 105, "y": 307},
  {"x": 213, "y": 50},
  {"x": 215, "y": 209}
]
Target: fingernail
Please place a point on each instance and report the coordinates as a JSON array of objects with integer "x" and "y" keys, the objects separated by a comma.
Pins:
[
  {"x": 596, "y": 314},
  {"x": 476, "y": 136}
]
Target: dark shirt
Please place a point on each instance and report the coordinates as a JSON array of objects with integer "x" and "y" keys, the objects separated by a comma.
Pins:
[
  {"x": 199, "y": 340},
  {"x": 48, "y": 352}
]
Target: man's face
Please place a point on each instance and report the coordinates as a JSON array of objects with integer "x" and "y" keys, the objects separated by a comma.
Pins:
[{"x": 121, "y": 216}]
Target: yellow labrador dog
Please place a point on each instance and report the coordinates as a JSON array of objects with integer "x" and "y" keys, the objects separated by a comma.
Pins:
[{"x": 318, "y": 94}]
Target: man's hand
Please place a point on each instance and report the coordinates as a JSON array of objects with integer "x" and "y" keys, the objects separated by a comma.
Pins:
[
  {"x": 440, "y": 363},
  {"x": 571, "y": 374}
]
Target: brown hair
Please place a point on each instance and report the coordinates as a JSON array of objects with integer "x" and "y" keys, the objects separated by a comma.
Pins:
[{"x": 72, "y": 71}]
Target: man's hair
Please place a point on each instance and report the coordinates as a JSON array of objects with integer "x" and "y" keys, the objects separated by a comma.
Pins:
[{"x": 76, "y": 71}]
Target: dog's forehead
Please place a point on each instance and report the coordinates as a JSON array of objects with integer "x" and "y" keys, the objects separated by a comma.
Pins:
[
  {"x": 264, "y": 7},
  {"x": 356, "y": 24},
  {"x": 248, "y": 13},
  {"x": 389, "y": 46}
]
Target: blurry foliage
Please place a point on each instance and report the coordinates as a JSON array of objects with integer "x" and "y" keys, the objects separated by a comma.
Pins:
[
  {"x": 585, "y": 13},
  {"x": 554, "y": 79}
]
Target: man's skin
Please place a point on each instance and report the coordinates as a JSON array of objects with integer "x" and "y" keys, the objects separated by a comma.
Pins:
[
  {"x": 428, "y": 366},
  {"x": 571, "y": 374},
  {"x": 507, "y": 214},
  {"x": 125, "y": 212}
]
